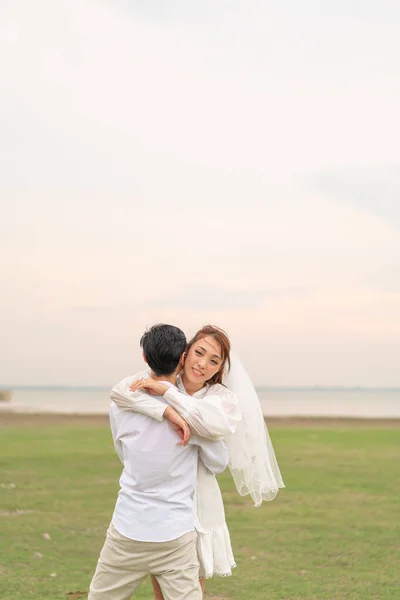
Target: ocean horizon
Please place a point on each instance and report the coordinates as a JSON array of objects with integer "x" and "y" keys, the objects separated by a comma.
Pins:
[
  {"x": 261, "y": 388},
  {"x": 276, "y": 401}
]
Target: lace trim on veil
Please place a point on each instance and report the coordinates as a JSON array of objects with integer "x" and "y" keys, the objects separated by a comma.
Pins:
[{"x": 252, "y": 459}]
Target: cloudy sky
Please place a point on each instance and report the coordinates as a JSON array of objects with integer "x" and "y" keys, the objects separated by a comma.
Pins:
[{"x": 190, "y": 162}]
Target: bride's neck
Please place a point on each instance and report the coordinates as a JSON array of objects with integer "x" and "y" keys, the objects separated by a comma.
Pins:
[{"x": 191, "y": 388}]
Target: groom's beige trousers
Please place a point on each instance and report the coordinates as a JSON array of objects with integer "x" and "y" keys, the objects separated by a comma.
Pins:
[{"x": 124, "y": 563}]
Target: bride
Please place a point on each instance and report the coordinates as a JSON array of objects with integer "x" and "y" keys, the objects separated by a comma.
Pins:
[{"x": 216, "y": 397}]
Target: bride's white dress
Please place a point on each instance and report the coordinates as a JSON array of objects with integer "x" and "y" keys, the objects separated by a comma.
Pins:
[
  {"x": 213, "y": 540},
  {"x": 212, "y": 412}
]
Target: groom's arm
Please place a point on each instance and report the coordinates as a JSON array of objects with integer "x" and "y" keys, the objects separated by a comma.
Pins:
[
  {"x": 213, "y": 454},
  {"x": 114, "y": 431}
]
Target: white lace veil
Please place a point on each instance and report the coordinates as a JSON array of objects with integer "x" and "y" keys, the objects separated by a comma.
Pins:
[{"x": 252, "y": 458}]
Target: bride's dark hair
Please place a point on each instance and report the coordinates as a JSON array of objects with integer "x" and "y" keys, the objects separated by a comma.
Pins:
[{"x": 221, "y": 337}]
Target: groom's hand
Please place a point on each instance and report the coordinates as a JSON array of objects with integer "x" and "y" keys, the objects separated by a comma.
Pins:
[{"x": 179, "y": 424}]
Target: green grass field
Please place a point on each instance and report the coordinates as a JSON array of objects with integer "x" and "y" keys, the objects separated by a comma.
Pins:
[{"x": 333, "y": 533}]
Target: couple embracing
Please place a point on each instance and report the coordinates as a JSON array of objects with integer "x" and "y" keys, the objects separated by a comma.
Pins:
[{"x": 176, "y": 425}]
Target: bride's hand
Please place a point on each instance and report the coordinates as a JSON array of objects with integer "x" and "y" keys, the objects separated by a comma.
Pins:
[
  {"x": 179, "y": 424},
  {"x": 149, "y": 385}
]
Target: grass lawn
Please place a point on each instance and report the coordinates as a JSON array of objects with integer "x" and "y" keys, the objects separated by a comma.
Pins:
[{"x": 332, "y": 534}]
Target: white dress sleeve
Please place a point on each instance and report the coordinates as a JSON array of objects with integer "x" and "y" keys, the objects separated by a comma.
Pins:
[
  {"x": 139, "y": 401},
  {"x": 213, "y": 416}
]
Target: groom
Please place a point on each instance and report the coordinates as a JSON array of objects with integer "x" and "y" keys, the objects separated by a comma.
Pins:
[{"x": 152, "y": 529}]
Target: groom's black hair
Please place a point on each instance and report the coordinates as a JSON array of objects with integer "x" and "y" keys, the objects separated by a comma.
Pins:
[{"x": 163, "y": 346}]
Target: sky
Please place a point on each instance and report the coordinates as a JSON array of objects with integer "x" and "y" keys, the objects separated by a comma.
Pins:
[{"x": 215, "y": 162}]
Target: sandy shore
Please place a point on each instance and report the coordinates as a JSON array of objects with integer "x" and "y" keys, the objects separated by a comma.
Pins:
[{"x": 10, "y": 419}]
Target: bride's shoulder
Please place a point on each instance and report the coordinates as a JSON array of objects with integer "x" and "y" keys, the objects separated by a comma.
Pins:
[
  {"x": 217, "y": 389},
  {"x": 226, "y": 398}
]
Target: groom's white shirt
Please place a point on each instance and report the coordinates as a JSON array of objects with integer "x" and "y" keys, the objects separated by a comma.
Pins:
[{"x": 155, "y": 502}]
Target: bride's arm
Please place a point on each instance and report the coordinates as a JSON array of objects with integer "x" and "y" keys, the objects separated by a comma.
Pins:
[
  {"x": 213, "y": 416},
  {"x": 139, "y": 401}
]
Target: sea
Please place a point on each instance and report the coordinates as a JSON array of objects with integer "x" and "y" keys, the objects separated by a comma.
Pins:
[{"x": 275, "y": 402}]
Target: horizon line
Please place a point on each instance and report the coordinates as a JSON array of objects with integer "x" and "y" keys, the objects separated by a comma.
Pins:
[{"x": 309, "y": 387}]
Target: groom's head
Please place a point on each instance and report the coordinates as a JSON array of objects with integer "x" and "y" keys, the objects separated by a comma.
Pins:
[{"x": 163, "y": 347}]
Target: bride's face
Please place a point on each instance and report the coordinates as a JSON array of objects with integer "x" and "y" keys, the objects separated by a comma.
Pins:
[{"x": 203, "y": 360}]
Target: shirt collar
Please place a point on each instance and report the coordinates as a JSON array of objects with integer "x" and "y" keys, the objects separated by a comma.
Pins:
[{"x": 199, "y": 394}]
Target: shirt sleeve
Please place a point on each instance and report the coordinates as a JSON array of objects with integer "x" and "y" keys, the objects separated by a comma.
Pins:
[
  {"x": 140, "y": 401},
  {"x": 213, "y": 416},
  {"x": 213, "y": 454},
  {"x": 116, "y": 440}
]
